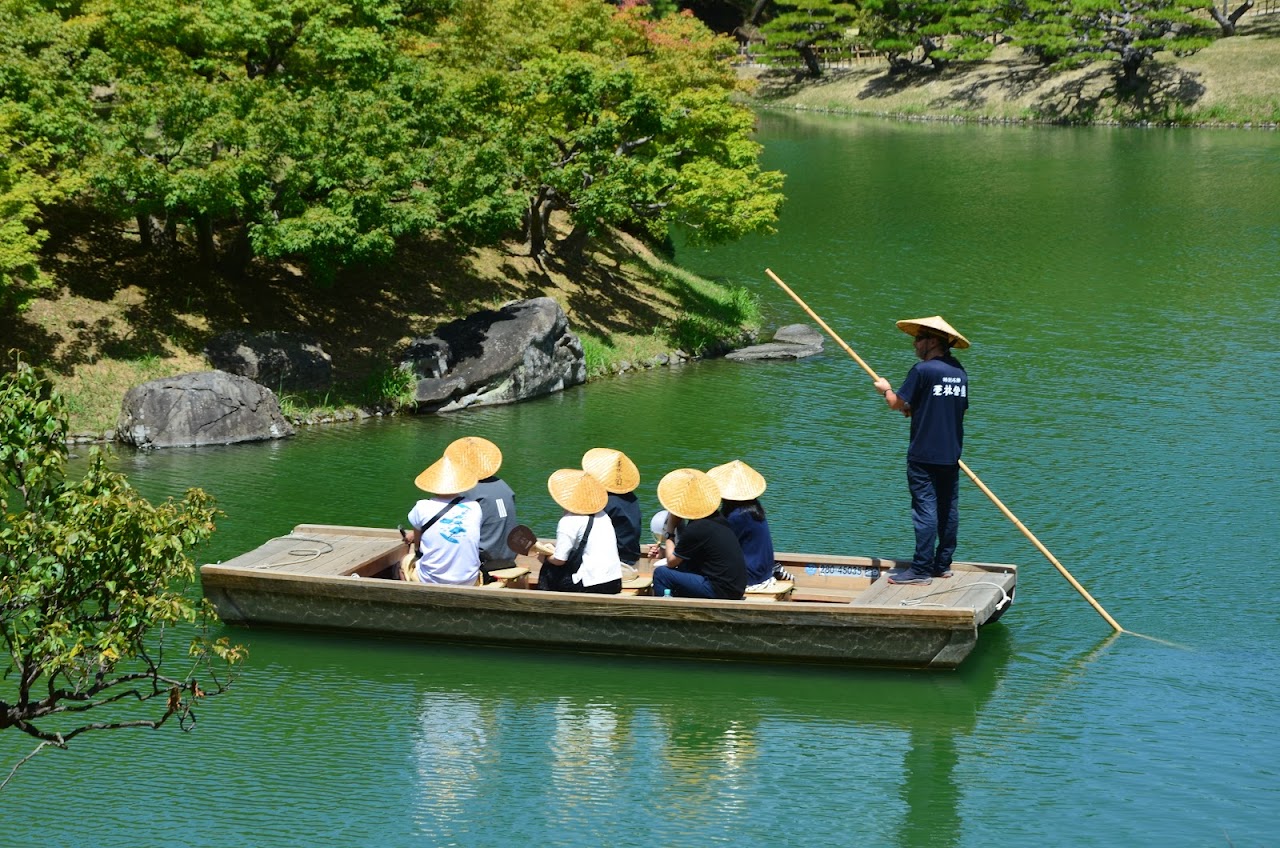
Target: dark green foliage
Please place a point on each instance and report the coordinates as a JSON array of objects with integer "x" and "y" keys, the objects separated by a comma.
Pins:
[
  {"x": 1068, "y": 33},
  {"x": 804, "y": 28},
  {"x": 937, "y": 32}
]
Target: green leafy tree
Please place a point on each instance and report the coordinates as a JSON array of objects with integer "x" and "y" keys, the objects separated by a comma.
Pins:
[
  {"x": 300, "y": 125},
  {"x": 92, "y": 579},
  {"x": 21, "y": 189},
  {"x": 47, "y": 68},
  {"x": 603, "y": 114},
  {"x": 804, "y": 27},
  {"x": 1070, "y": 33}
]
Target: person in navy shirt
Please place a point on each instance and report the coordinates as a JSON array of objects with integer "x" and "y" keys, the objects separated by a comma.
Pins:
[
  {"x": 935, "y": 396},
  {"x": 740, "y": 489}
]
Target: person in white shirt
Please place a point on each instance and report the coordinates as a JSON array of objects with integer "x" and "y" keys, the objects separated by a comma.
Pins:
[
  {"x": 586, "y": 557},
  {"x": 446, "y": 526}
]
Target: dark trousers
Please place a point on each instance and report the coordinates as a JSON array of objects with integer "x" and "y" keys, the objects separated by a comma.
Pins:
[
  {"x": 681, "y": 583},
  {"x": 935, "y": 513}
]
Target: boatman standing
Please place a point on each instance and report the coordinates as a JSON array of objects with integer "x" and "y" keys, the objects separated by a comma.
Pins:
[{"x": 934, "y": 396}]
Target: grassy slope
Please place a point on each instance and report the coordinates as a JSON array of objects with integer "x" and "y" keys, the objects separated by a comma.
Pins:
[
  {"x": 1234, "y": 81},
  {"x": 119, "y": 317}
]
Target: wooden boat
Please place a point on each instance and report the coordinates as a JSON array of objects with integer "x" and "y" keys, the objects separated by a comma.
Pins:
[{"x": 839, "y": 610}]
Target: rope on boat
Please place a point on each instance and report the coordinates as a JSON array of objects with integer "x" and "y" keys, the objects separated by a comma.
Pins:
[
  {"x": 306, "y": 553},
  {"x": 1005, "y": 598}
]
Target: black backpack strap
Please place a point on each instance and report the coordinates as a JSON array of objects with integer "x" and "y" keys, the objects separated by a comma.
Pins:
[
  {"x": 575, "y": 556},
  {"x": 450, "y": 505}
]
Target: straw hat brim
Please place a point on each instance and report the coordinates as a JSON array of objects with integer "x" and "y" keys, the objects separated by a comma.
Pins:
[
  {"x": 577, "y": 491},
  {"x": 689, "y": 493},
  {"x": 937, "y": 324},
  {"x": 482, "y": 455},
  {"x": 446, "y": 476},
  {"x": 738, "y": 481},
  {"x": 613, "y": 468}
]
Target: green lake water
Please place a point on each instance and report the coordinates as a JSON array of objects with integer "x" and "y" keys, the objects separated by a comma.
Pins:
[{"x": 1122, "y": 292}]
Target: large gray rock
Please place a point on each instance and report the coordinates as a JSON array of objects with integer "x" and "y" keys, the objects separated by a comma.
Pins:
[
  {"x": 274, "y": 359},
  {"x": 794, "y": 341},
  {"x": 206, "y": 408},
  {"x": 523, "y": 350},
  {"x": 801, "y": 334}
]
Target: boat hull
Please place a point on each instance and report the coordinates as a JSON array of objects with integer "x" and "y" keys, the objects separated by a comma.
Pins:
[
  {"x": 730, "y": 630},
  {"x": 830, "y": 633}
]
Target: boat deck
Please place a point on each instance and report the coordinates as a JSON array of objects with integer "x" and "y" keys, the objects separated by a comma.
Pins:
[
  {"x": 332, "y": 551},
  {"x": 325, "y": 552}
]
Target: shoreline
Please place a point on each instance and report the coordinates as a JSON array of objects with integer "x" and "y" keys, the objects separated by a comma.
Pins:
[
  {"x": 359, "y": 415},
  {"x": 1234, "y": 83},
  {"x": 1264, "y": 126}
]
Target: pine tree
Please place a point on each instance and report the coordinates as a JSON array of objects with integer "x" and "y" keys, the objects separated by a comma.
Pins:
[
  {"x": 1070, "y": 33},
  {"x": 804, "y": 27}
]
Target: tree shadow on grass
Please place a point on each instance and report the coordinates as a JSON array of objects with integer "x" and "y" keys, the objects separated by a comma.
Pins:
[
  {"x": 146, "y": 302},
  {"x": 608, "y": 293},
  {"x": 1160, "y": 95},
  {"x": 137, "y": 304}
]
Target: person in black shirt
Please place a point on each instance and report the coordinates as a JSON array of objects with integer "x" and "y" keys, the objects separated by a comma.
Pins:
[{"x": 706, "y": 560}]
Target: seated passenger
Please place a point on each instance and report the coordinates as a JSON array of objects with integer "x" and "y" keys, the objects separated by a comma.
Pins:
[
  {"x": 446, "y": 526},
  {"x": 705, "y": 559},
  {"x": 497, "y": 500},
  {"x": 740, "y": 488},
  {"x": 586, "y": 557},
  {"x": 619, "y": 476}
]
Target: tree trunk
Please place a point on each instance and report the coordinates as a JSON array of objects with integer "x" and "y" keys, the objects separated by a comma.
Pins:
[
  {"x": 810, "y": 57},
  {"x": 1228, "y": 22},
  {"x": 146, "y": 232},
  {"x": 572, "y": 245},
  {"x": 204, "y": 240},
  {"x": 536, "y": 219},
  {"x": 1130, "y": 62},
  {"x": 240, "y": 253},
  {"x": 170, "y": 234}
]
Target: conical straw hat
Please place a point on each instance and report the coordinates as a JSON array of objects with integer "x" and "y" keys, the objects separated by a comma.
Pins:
[
  {"x": 738, "y": 481},
  {"x": 480, "y": 454},
  {"x": 938, "y": 324},
  {"x": 689, "y": 493},
  {"x": 577, "y": 491},
  {"x": 612, "y": 468},
  {"x": 446, "y": 476}
]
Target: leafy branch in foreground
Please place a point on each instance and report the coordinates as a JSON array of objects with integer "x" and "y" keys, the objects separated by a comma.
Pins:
[{"x": 92, "y": 580}]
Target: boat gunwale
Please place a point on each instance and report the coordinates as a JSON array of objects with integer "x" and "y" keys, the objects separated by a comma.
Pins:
[{"x": 570, "y": 603}]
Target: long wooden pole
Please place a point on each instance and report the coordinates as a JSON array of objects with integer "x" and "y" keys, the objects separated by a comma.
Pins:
[{"x": 974, "y": 477}]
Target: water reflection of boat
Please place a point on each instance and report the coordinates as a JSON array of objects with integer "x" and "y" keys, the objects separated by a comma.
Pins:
[{"x": 840, "y": 609}]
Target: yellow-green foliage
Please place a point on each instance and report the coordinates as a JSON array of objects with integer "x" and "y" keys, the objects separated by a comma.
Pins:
[{"x": 92, "y": 575}]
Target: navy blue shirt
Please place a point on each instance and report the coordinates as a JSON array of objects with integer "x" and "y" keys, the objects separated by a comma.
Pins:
[
  {"x": 938, "y": 392},
  {"x": 624, "y": 511},
  {"x": 757, "y": 543}
]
